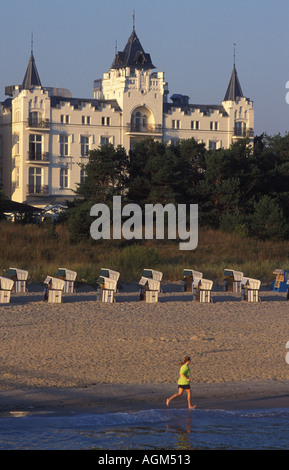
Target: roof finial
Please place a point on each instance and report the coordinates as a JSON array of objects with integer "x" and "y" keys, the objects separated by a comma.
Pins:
[
  {"x": 31, "y": 43},
  {"x": 234, "y": 54},
  {"x": 133, "y": 19}
]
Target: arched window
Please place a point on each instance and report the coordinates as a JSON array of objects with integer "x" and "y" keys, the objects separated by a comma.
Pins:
[{"x": 141, "y": 120}]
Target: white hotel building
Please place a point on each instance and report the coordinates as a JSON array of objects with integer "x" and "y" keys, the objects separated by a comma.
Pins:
[{"x": 45, "y": 133}]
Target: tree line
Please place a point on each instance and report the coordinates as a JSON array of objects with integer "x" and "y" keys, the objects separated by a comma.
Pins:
[{"x": 241, "y": 189}]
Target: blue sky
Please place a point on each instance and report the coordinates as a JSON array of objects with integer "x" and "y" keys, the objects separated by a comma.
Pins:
[{"x": 191, "y": 41}]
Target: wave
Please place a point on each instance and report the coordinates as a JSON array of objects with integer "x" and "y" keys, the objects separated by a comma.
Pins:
[{"x": 159, "y": 416}]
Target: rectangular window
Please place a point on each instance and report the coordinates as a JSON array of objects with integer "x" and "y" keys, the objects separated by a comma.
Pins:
[
  {"x": 64, "y": 178},
  {"x": 64, "y": 145},
  {"x": 35, "y": 180},
  {"x": 17, "y": 177},
  {"x": 176, "y": 124},
  {"x": 105, "y": 121},
  {"x": 35, "y": 147},
  {"x": 240, "y": 129},
  {"x": 212, "y": 145},
  {"x": 82, "y": 175},
  {"x": 64, "y": 118},
  {"x": 16, "y": 144},
  {"x": 195, "y": 125},
  {"x": 85, "y": 120},
  {"x": 84, "y": 144},
  {"x": 104, "y": 140},
  {"x": 214, "y": 125}
]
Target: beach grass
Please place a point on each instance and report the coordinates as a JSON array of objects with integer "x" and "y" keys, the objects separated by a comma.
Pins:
[{"x": 42, "y": 249}]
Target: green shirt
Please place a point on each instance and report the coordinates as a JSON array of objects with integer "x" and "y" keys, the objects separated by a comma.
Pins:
[{"x": 186, "y": 371}]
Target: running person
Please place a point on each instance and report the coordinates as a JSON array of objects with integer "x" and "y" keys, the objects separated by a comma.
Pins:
[{"x": 183, "y": 383}]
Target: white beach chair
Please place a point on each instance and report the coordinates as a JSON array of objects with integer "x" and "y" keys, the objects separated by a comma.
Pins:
[
  {"x": 53, "y": 289},
  {"x": 153, "y": 274},
  {"x": 149, "y": 289},
  {"x": 6, "y": 286},
  {"x": 189, "y": 276},
  {"x": 202, "y": 290},
  {"x": 250, "y": 289},
  {"x": 69, "y": 278},
  {"x": 232, "y": 281},
  {"x": 19, "y": 276},
  {"x": 110, "y": 274},
  {"x": 106, "y": 289}
]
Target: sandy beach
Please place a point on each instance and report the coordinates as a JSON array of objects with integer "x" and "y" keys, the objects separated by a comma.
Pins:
[{"x": 83, "y": 354}]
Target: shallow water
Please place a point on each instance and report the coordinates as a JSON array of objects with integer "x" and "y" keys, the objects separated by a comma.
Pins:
[{"x": 150, "y": 429}]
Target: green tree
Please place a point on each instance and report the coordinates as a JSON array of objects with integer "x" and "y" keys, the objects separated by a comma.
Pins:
[
  {"x": 165, "y": 173},
  {"x": 106, "y": 174},
  {"x": 79, "y": 221},
  {"x": 226, "y": 182},
  {"x": 267, "y": 220}
]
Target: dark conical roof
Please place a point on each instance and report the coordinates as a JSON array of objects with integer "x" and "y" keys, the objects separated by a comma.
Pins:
[
  {"x": 234, "y": 89},
  {"x": 31, "y": 77},
  {"x": 133, "y": 55}
]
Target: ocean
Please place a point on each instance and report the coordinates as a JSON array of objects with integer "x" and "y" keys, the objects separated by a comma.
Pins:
[{"x": 153, "y": 430}]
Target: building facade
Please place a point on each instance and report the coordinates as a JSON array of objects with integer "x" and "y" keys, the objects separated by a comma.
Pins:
[{"x": 45, "y": 133}]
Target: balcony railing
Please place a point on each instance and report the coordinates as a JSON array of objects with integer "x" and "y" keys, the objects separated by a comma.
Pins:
[
  {"x": 38, "y": 157},
  {"x": 148, "y": 129},
  {"x": 37, "y": 190},
  {"x": 38, "y": 123},
  {"x": 243, "y": 133}
]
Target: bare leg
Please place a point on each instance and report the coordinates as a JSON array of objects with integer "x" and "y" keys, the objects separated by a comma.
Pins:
[
  {"x": 189, "y": 400},
  {"x": 176, "y": 395}
]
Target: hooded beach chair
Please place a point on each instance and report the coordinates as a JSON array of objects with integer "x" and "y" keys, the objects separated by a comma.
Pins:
[
  {"x": 250, "y": 289},
  {"x": 232, "y": 281},
  {"x": 189, "y": 275},
  {"x": 281, "y": 282},
  {"x": 53, "y": 289},
  {"x": 107, "y": 285},
  {"x": 6, "y": 286},
  {"x": 153, "y": 274},
  {"x": 69, "y": 277},
  {"x": 202, "y": 290},
  {"x": 149, "y": 289},
  {"x": 19, "y": 276}
]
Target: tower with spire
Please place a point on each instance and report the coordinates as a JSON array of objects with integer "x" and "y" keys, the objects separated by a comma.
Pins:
[
  {"x": 239, "y": 108},
  {"x": 31, "y": 78},
  {"x": 138, "y": 89}
]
